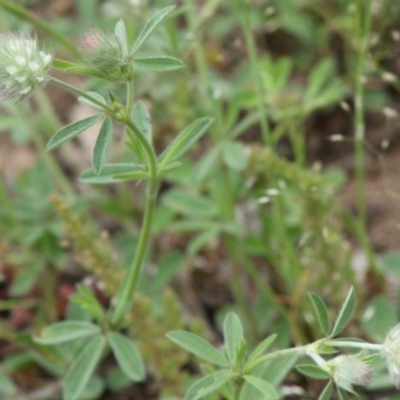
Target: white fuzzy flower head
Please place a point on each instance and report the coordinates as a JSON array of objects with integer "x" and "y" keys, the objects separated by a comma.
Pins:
[
  {"x": 391, "y": 351},
  {"x": 23, "y": 67},
  {"x": 349, "y": 370}
]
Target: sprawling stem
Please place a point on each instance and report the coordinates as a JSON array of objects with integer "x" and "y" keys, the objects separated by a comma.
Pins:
[
  {"x": 362, "y": 22},
  {"x": 127, "y": 289},
  {"x": 128, "y": 286}
]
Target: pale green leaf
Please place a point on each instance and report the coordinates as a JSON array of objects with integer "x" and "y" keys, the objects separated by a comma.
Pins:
[
  {"x": 259, "y": 350},
  {"x": 101, "y": 145},
  {"x": 327, "y": 392},
  {"x": 141, "y": 118},
  {"x": 185, "y": 140},
  {"x": 149, "y": 28},
  {"x": 198, "y": 346},
  {"x": 208, "y": 384},
  {"x": 234, "y": 155},
  {"x": 263, "y": 386},
  {"x": 66, "y": 331},
  {"x": 321, "y": 312},
  {"x": 127, "y": 356},
  {"x": 113, "y": 173},
  {"x": 313, "y": 371},
  {"x": 83, "y": 368},
  {"x": 159, "y": 64},
  {"x": 233, "y": 335},
  {"x": 345, "y": 313},
  {"x": 120, "y": 35},
  {"x": 70, "y": 131}
]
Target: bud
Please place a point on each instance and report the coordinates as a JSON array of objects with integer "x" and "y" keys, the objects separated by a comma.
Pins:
[
  {"x": 348, "y": 370},
  {"x": 391, "y": 351},
  {"x": 23, "y": 67},
  {"x": 105, "y": 54}
]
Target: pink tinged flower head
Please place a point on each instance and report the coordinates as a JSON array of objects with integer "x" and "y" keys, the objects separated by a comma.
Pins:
[
  {"x": 23, "y": 67},
  {"x": 101, "y": 51},
  {"x": 391, "y": 351},
  {"x": 349, "y": 370}
]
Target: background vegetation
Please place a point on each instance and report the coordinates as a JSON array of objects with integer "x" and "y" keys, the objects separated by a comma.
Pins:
[{"x": 294, "y": 189}]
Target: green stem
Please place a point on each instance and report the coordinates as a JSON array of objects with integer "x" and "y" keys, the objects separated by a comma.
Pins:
[
  {"x": 128, "y": 286},
  {"x": 300, "y": 351},
  {"x": 200, "y": 58},
  {"x": 362, "y": 27},
  {"x": 354, "y": 345},
  {"x": 242, "y": 11},
  {"x": 79, "y": 92},
  {"x": 22, "y": 13},
  {"x": 359, "y": 124},
  {"x": 130, "y": 89}
]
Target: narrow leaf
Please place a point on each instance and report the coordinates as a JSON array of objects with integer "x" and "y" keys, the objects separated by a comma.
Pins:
[
  {"x": 234, "y": 155},
  {"x": 95, "y": 96},
  {"x": 111, "y": 173},
  {"x": 233, "y": 335},
  {"x": 263, "y": 386},
  {"x": 259, "y": 350},
  {"x": 327, "y": 392},
  {"x": 198, "y": 346},
  {"x": 85, "y": 298},
  {"x": 101, "y": 145},
  {"x": 321, "y": 312},
  {"x": 62, "y": 64},
  {"x": 191, "y": 204},
  {"x": 120, "y": 35},
  {"x": 149, "y": 28},
  {"x": 342, "y": 393},
  {"x": 127, "y": 356},
  {"x": 169, "y": 168},
  {"x": 158, "y": 63},
  {"x": 83, "y": 367},
  {"x": 184, "y": 140},
  {"x": 141, "y": 118},
  {"x": 75, "y": 68},
  {"x": 70, "y": 131},
  {"x": 66, "y": 331},
  {"x": 313, "y": 371},
  {"x": 345, "y": 314},
  {"x": 208, "y": 384}
]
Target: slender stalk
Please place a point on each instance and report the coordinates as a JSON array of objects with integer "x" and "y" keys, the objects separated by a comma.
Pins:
[
  {"x": 362, "y": 22},
  {"x": 127, "y": 289},
  {"x": 130, "y": 95},
  {"x": 79, "y": 92},
  {"x": 253, "y": 61},
  {"x": 128, "y": 286},
  {"x": 300, "y": 351},
  {"x": 354, "y": 345},
  {"x": 200, "y": 58},
  {"x": 359, "y": 125},
  {"x": 22, "y": 13}
]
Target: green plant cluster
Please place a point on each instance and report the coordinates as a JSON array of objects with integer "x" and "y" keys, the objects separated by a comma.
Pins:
[{"x": 210, "y": 158}]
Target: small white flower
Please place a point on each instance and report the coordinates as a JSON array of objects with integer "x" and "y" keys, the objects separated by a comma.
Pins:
[
  {"x": 22, "y": 66},
  {"x": 391, "y": 351},
  {"x": 349, "y": 370}
]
